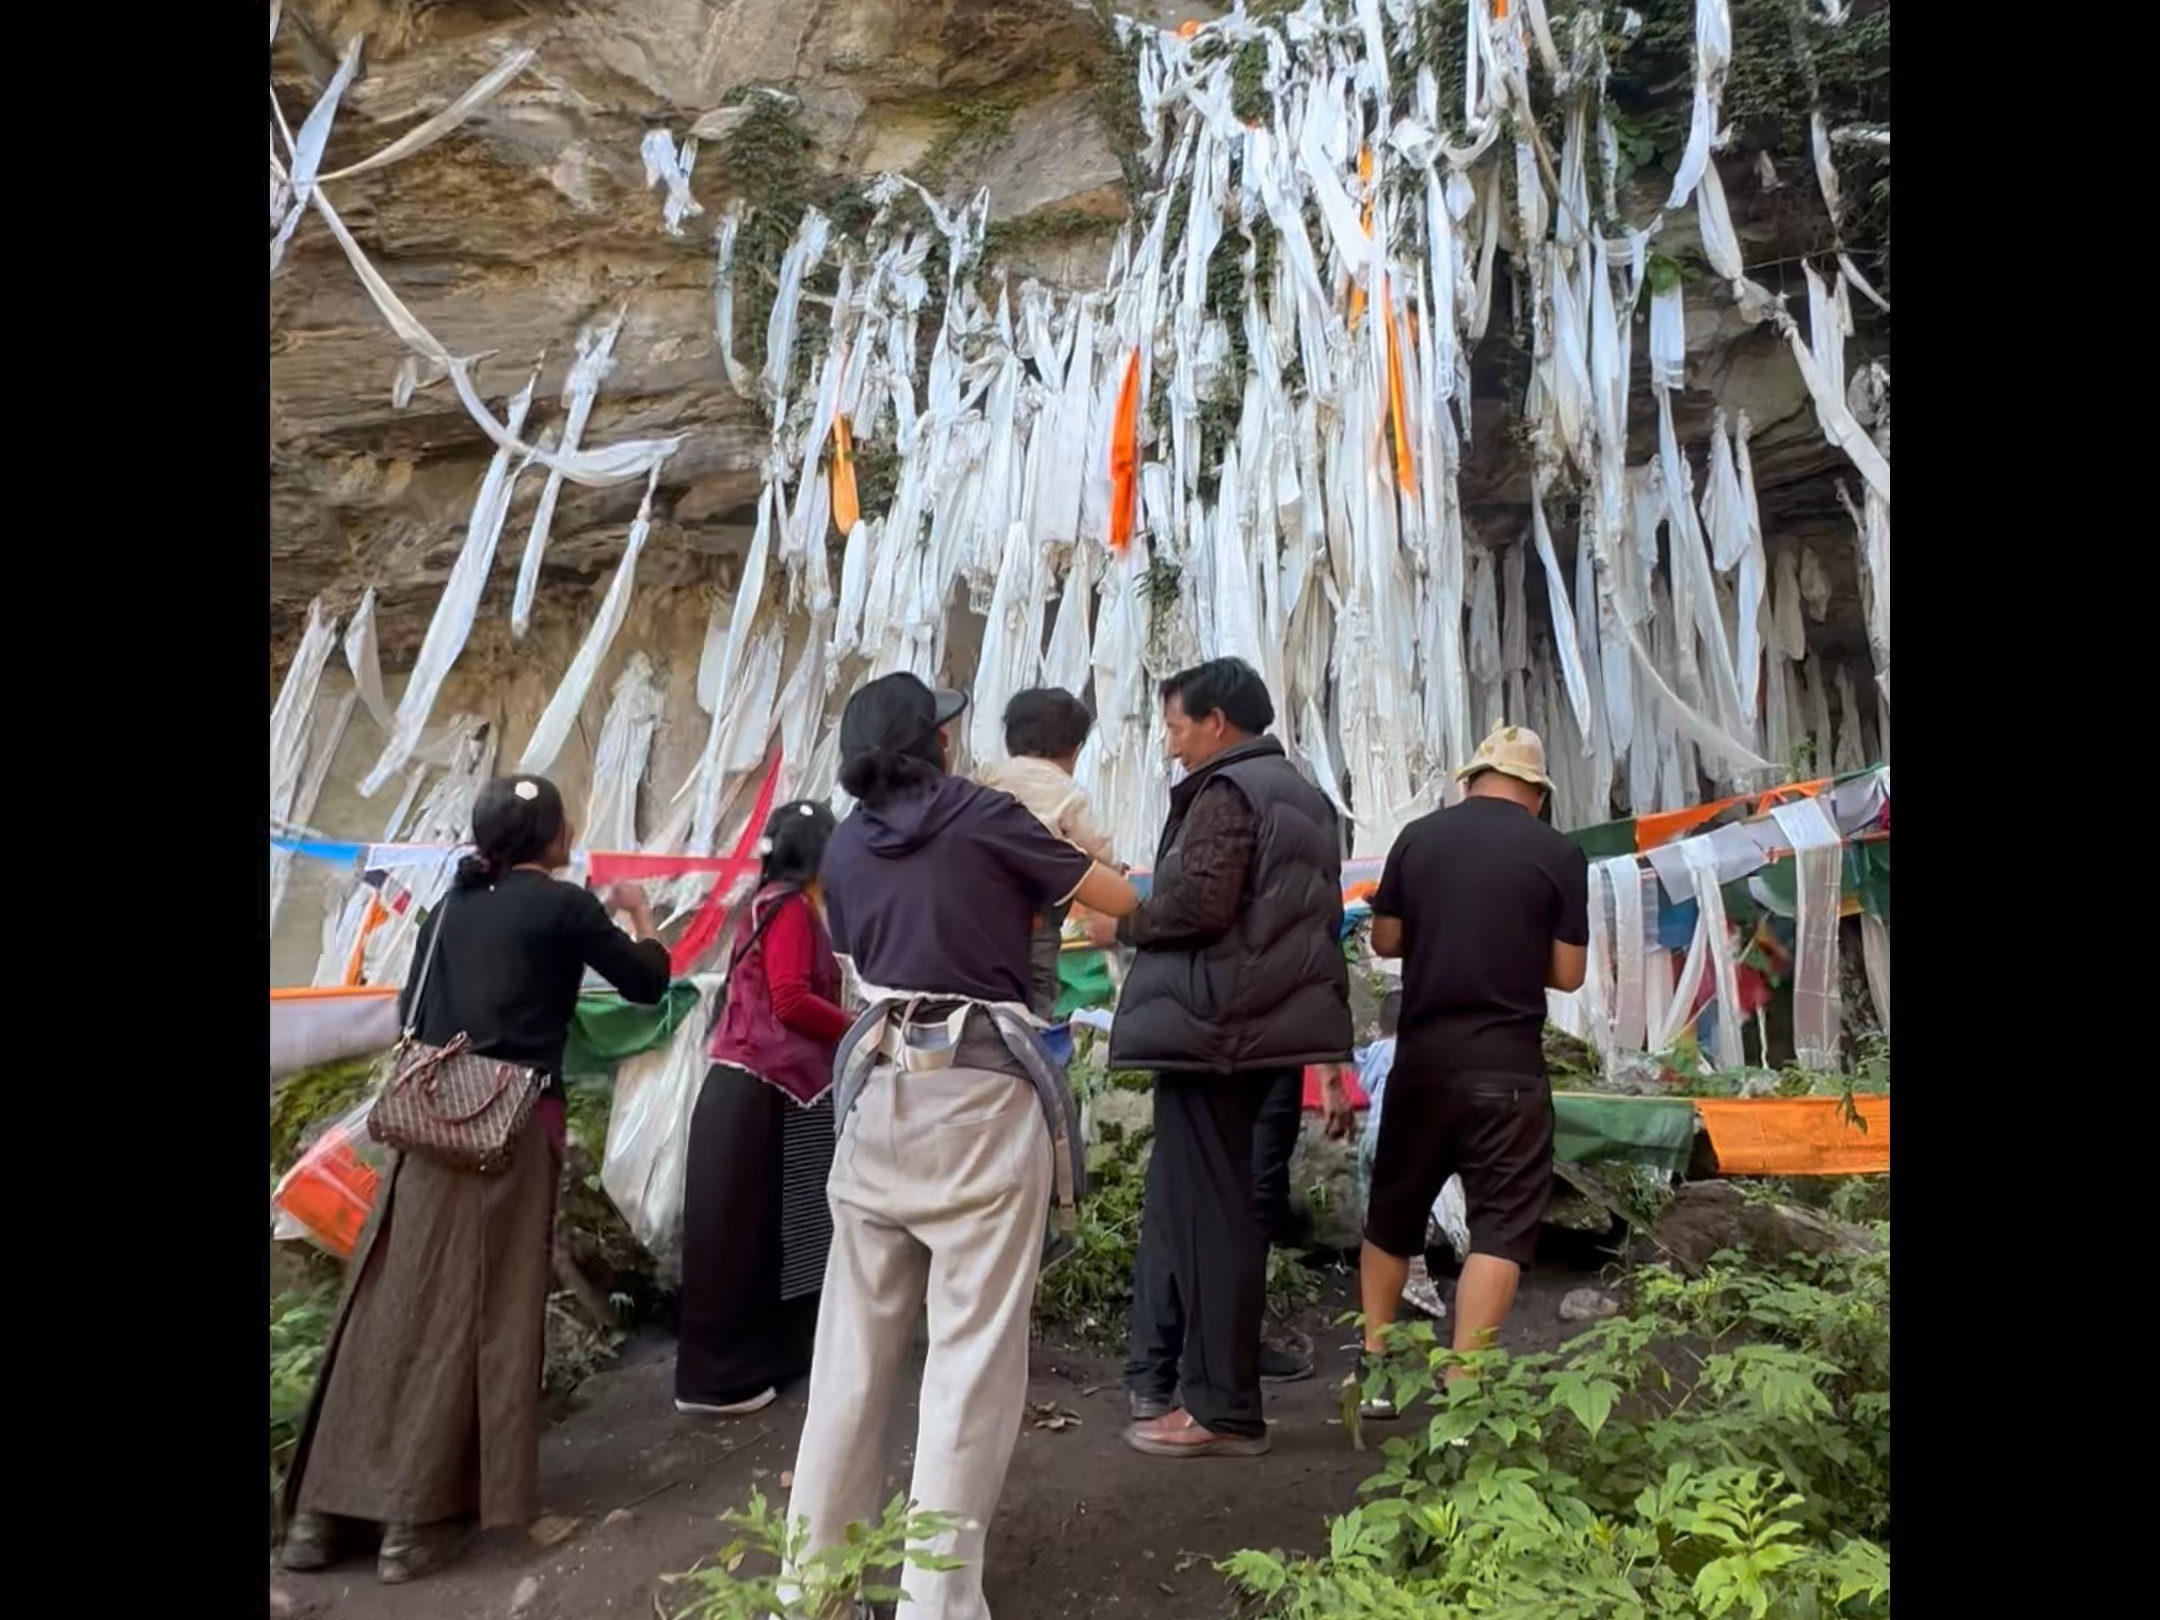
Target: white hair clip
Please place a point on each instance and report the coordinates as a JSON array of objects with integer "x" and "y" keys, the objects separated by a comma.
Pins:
[
  {"x": 526, "y": 791},
  {"x": 764, "y": 847}
]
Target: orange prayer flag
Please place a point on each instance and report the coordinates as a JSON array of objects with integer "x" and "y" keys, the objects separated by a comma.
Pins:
[
  {"x": 1664, "y": 826},
  {"x": 1357, "y": 291},
  {"x": 846, "y": 505},
  {"x": 377, "y": 915},
  {"x": 1125, "y": 457},
  {"x": 1398, "y": 404},
  {"x": 1797, "y": 1136},
  {"x": 1188, "y": 28}
]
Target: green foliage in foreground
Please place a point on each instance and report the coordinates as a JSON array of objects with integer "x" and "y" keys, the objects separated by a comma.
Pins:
[
  {"x": 869, "y": 1565},
  {"x": 1089, "y": 1292},
  {"x": 303, "y": 1104},
  {"x": 299, "y": 1326},
  {"x": 1601, "y": 1484}
]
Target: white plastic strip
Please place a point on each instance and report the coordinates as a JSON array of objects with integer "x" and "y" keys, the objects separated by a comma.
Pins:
[
  {"x": 1565, "y": 635},
  {"x": 454, "y": 612},
  {"x": 1625, "y": 877},
  {"x": 427, "y": 133},
  {"x": 292, "y": 717},
  {"x": 598, "y": 469},
  {"x": 365, "y": 662},
  {"x": 308, "y": 147},
  {"x": 1875, "y": 954},
  {"x": 595, "y": 358},
  {"x": 1819, "y": 862},
  {"x": 666, "y": 166},
  {"x": 322, "y": 750},
  {"x": 553, "y": 727},
  {"x": 1726, "y": 1049}
]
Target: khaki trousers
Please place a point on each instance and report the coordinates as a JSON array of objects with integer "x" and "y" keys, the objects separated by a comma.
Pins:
[{"x": 940, "y": 1188}]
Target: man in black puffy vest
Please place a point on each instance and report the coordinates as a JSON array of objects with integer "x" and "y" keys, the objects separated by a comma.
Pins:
[{"x": 1238, "y": 982}]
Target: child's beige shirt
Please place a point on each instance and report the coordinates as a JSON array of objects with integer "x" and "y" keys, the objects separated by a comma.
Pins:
[{"x": 1054, "y": 799}]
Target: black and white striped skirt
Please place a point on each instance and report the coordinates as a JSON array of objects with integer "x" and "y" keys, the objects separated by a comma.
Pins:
[{"x": 806, "y": 1159}]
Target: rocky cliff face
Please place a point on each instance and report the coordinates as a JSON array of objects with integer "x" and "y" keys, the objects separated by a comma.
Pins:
[{"x": 538, "y": 217}]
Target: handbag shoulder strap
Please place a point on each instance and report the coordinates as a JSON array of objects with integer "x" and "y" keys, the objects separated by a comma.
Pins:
[{"x": 427, "y": 962}]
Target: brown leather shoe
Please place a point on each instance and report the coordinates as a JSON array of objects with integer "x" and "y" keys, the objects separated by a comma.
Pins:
[{"x": 1177, "y": 1435}]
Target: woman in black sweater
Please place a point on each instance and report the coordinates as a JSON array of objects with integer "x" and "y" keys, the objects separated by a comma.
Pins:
[{"x": 425, "y": 1417}]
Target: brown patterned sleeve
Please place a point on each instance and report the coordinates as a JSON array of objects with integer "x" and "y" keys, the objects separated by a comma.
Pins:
[{"x": 1217, "y": 851}]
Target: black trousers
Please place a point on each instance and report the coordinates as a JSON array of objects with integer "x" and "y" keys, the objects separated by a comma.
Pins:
[
  {"x": 737, "y": 1335},
  {"x": 1218, "y": 1191}
]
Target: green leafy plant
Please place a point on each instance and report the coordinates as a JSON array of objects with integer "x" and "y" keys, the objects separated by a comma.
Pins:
[
  {"x": 1249, "y": 101},
  {"x": 1115, "y": 78},
  {"x": 1292, "y": 1285},
  {"x": 1867, "y": 1076},
  {"x": 868, "y": 1566},
  {"x": 299, "y": 1328},
  {"x": 1722, "y": 1450},
  {"x": 966, "y": 130},
  {"x": 768, "y": 158},
  {"x": 302, "y": 1104},
  {"x": 1088, "y": 1291}
]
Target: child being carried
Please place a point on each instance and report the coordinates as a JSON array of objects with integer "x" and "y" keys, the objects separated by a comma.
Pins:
[{"x": 1045, "y": 729}]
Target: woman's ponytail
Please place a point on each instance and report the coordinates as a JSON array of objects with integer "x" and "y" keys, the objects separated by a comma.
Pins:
[{"x": 474, "y": 872}]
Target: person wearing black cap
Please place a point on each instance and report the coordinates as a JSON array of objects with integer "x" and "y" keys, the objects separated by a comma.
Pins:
[{"x": 954, "y": 1130}]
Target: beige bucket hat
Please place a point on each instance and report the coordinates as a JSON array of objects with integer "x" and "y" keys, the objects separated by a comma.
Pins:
[{"x": 1512, "y": 751}]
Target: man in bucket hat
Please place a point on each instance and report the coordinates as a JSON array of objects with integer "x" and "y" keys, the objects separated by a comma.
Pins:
[{"x": 1488, "y": 907}]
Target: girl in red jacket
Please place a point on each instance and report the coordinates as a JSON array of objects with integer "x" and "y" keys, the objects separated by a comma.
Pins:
[{"x": 756, "y": 1227}]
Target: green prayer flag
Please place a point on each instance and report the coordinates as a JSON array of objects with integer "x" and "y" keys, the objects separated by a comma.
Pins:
[
  {"x": 1654, "y": 1131},
  {"x": 1083, "y": 981},
  {"x": 605, "y": 1029}
]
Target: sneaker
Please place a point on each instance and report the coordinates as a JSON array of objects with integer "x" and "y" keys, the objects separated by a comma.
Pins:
[
  {"x": 756, "y": 1403},
  {"x": 1280, "y": 1367},
  {"x": 1372, "y": 1408},
  {"x": 1147, "y": 1408},
  {"x": 1421, "y": 1294}
]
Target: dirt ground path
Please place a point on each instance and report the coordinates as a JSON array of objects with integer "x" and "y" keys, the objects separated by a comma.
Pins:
[{"x": 1086, "y": 1527}]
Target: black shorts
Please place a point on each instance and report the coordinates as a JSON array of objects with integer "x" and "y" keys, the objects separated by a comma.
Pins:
[{"x": 1493, "y": 1129}]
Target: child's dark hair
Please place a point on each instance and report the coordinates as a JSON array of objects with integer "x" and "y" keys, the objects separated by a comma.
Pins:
[
  {"x": 795, "y": 840},
  {"x": 1046, "y": 722}
]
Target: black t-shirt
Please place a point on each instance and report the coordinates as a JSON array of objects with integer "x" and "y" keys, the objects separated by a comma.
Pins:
[
  {"x": 513, "y": 957},
  {"x": 1483, "y": 890}
]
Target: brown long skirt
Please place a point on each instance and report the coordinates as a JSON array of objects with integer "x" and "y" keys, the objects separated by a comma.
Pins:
[{"x": 428, "y": 1403}]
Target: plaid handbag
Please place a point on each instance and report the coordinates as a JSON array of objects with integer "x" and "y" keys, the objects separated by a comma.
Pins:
[{"x": 448, "y": 1103}]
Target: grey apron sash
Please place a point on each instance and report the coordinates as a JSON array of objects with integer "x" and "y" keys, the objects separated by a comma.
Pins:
[{"x": 886, "y": 1033}]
